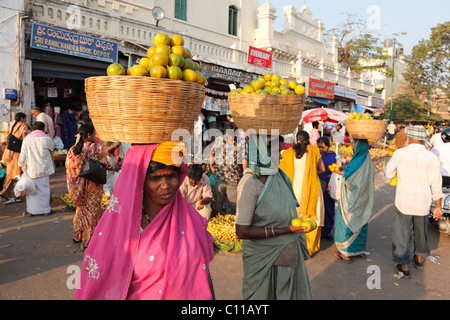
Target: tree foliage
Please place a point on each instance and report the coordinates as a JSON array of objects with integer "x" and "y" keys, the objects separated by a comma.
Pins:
[
  {"x": 429, "y": 61},
  {"x": 356, "y": 43},
  {"x": 408, "y": 108}
]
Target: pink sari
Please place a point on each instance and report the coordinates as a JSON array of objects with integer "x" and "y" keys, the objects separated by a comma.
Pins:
[{"x": 168, "y": 260}]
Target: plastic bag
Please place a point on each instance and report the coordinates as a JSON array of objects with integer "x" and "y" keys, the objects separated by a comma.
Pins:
[{"x": 334, "y": 186}]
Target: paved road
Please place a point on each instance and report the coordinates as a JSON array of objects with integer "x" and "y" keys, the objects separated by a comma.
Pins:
[{"x": 36, "y": 253}]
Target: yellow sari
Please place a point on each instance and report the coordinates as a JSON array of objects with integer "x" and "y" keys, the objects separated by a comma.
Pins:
[{"x": 310, "y": 196}]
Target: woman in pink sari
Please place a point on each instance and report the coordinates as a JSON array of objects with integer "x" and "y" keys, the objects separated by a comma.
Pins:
[{"x": 150, "y": 243}]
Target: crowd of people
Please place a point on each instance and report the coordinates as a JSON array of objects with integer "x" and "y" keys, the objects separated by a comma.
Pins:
[{"x": 159, "y": 208}]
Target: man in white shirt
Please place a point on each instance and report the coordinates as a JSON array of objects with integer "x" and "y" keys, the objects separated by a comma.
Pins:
[
  {"x": 391, "y": 130},
  {"x": 337, "y": 135},
  {"x": 36, "y": 160},
  {"x": 436, "y": 139},
  {"x": 46, "y": 119},
  {"x": 419, "y": 181},
  {"x": 443, "y": 153}
]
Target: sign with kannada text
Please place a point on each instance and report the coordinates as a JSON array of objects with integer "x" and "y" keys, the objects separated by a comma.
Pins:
[
  {"x": 320, "y": 89},
  {"x": 377, "y": 102},
  {"x": 65, "y": 42},
  {"x": 260, "y": 58},
  {"x": 228, "y": 74}
]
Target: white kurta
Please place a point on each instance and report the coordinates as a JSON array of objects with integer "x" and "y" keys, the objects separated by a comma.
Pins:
[{"x": 36, "y": 158}]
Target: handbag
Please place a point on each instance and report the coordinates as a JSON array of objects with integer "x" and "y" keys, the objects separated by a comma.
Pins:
[
  {"x": 92, "y": 169},
  {"x": 13, "y": 143}
]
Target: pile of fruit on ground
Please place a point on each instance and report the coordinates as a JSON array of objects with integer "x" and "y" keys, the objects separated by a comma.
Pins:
[{"x": 223, "y": 230}]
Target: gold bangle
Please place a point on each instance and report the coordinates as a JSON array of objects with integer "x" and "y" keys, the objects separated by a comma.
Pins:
[
  {"x": 273, "y": 233},
  {"x": 267, "y": 234}
]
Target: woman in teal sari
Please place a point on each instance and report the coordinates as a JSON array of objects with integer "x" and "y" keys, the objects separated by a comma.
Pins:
[
  {"x": 355, "y": 204},
  {"x": 273, "y": 250}
]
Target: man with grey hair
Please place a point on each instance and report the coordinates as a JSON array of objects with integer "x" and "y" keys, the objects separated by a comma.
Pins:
[
  {"x": 419, "y": 181},
  {"x": 46, "y": 119}
]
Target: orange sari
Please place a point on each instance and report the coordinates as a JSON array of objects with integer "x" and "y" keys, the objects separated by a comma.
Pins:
[
  {"x": 87, "y": 195},
  {"x": 11, "y": 159}
]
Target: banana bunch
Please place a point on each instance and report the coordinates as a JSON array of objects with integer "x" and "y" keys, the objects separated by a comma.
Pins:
[
  {"x": 223, "y": 227},
  {"x": 105, "y": 201},
  {"x": 68, "y": 199}
]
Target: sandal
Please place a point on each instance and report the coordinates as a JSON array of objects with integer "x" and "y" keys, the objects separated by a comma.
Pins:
[
  {"x": 417, "y": 264},
  {"x": 402, "y": 273},
  {"x": 340, "y": 256}
]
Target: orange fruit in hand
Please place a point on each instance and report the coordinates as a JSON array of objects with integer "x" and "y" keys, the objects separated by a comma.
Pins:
[
  {"x": 176, "y": 40},
  {"x": 158, "y": 72},
  {"x": 174, "y": 73},
  {"x": 176, "y": 59},
  {"x": 161, "y": 38},
  {"x": 189, "y": 75},
  {"x": 307, "y": 225},
  {"x": 296, "y": 223},
  {"x": 160, "y": 59}
]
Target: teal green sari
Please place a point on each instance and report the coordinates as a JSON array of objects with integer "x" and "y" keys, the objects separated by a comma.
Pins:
[
  {"x": 355, "y": 203},
  {"x": 274, "y": 268}
]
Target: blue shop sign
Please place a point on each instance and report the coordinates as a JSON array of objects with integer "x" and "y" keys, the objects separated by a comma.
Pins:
[
  {"x": 10, "y": 94},
  {"x": 62, "y": 41}
]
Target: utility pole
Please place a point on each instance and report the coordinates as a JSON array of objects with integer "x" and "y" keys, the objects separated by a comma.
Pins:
[
  {"x": 431, "y": 94},
  {"x": 392, "y": 83},
  {"x": 393, "y": 72}
]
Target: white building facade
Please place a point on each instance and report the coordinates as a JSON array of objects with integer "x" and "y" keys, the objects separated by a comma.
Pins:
[{"x": 218, "y": 33}]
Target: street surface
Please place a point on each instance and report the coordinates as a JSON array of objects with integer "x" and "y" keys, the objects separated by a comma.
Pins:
[{"x": 37, "y": 253}]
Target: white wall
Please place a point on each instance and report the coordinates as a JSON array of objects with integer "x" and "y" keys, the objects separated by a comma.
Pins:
[{"x": 8, "y": 56}]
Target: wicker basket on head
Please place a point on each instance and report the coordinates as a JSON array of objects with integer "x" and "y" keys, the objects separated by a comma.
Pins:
[
  {"x": 142, "y": 110},
  {"x": 271, "y": 112},
  {"x": 365, "y": 129}
]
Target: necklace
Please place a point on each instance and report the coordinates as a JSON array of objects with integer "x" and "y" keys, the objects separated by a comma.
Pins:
[{"x": 147, "y": 217}]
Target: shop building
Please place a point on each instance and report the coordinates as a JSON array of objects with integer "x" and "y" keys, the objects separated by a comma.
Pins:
[{"x": 220, "y": 34}]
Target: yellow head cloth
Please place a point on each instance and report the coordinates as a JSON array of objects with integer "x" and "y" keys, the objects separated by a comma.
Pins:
[{"x": 169, "y": 153}]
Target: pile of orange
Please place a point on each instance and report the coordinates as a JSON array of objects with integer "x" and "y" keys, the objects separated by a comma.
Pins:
[
  {"x": 168, "y": 58},
  {"x": 271, "y": 84}
]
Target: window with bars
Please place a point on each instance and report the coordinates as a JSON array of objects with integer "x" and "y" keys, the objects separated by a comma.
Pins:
[
  {"x": 232, "y": 21},
  {"x": 181, "y": 9}
]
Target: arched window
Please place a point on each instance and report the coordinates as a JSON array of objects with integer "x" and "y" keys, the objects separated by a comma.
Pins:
[{"x": 232, "y": 21}]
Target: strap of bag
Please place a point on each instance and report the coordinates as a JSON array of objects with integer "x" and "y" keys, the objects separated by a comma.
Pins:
[
  {"x": 17, "y": 129},
  {"x": 87, "y": 150}
]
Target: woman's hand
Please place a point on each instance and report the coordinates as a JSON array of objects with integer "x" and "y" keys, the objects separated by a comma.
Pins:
[{"x": 298, "y": 229}]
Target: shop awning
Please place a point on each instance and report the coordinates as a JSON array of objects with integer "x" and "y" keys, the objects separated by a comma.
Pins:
[{"x": 320, "y": 100}]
